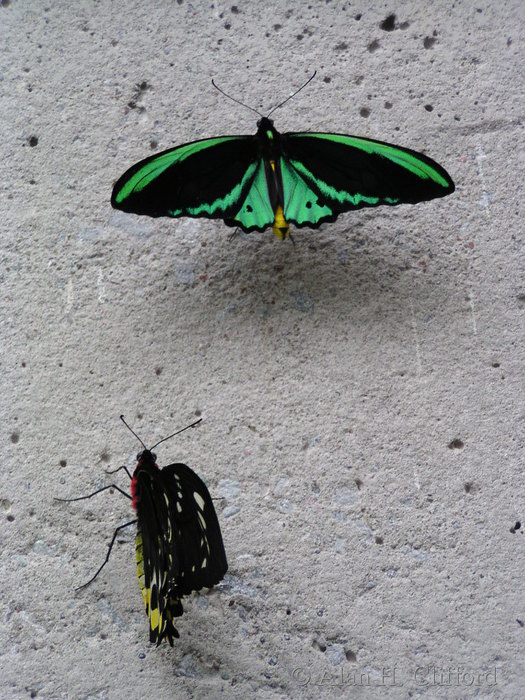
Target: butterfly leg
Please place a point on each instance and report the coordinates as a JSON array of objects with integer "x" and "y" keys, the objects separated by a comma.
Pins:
[
  {"x": 234, "y": 235},
  {"x": 104, "y": 488},
  {"x": 120, "y": 527},
  {"x": 114, "y": 471}
]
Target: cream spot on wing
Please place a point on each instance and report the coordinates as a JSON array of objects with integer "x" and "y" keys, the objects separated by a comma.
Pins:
[{"x": 199, "y": 500}]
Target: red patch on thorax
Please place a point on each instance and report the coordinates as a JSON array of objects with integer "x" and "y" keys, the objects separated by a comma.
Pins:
[
  {"x": 144, "y": 462},
  {"x": 134, "y": 494}
]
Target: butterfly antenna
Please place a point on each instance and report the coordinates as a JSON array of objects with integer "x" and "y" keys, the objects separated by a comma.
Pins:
[
  {"x": 239, "y": 103},
  {"x": 178, "y": 431},
  {"x": 132, "y": 431},
  {"x": 293, "y": 94}
]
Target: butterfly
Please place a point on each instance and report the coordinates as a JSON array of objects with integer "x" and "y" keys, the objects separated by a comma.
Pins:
[
  {"x": 178, "y": 544},
  {"x": 272, "y": 179}
]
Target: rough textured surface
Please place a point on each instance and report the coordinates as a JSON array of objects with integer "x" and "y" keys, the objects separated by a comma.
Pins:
[{"x": 362, "y": 392}]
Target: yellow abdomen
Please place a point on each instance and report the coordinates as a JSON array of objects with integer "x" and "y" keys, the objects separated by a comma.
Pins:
[{"x": 280, "y": 227}]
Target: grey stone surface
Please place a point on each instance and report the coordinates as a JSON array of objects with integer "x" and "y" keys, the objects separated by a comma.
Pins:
[{"x": 362, "y": 392}]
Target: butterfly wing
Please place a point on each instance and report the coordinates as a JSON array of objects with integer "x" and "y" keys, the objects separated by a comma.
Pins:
[
  {"x": 157, "y": 566},
  {"x": 326, "y": 174},
  {"x": 217, "y": 178},
  {"x": 199, "y": 549},
  {"x": 179, "y": 546}
]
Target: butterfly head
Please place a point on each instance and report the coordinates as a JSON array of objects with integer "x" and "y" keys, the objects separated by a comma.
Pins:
[
  {"x": 265, "y": 123},
  {"x": 146, "y": 457}
]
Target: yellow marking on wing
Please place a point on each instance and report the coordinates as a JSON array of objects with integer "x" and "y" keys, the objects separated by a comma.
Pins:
[
  {"x": 154, "y": 619},
  {"x": 139, "y": 558}
]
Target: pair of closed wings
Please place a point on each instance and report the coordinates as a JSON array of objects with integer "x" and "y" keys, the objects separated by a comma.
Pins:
[
  {"x": 321, "y": 174},
  {"x": 179, "y": 546}
]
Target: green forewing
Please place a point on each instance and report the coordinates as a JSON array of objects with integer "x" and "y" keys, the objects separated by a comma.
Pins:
[
  {"x": 155, "y": 166},
  {"x": 401, "y": 156},
  {"x": 209, "y": 178}
]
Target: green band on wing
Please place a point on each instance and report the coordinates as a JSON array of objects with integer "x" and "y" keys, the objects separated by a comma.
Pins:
[
  {"x": 300, "y": 202},
  {"x": 151, "y": 170},
  {"x": 225, "y": 202},
  {"x": 341, "y": 196},
  {"x": 256, "y": 210},
  {"x": 396, "y": 155}
]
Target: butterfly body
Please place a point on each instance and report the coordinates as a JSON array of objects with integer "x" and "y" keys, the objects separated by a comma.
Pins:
[
  {"x": 178, "y": 544},
  {"x": 273, "y": 179}
]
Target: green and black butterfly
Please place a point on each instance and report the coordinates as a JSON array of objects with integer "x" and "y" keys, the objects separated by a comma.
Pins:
[
  {"x": 273, "y": 179},
  {"x": 178, "y": 544}
]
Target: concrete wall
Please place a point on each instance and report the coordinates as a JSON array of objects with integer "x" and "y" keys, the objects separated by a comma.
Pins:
[{"x": 362, "y": 392}]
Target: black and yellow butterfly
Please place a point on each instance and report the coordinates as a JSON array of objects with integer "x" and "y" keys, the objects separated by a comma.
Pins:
[
  {"x": 178, "y": 544},
  {"x": 273, "y": 179}
]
